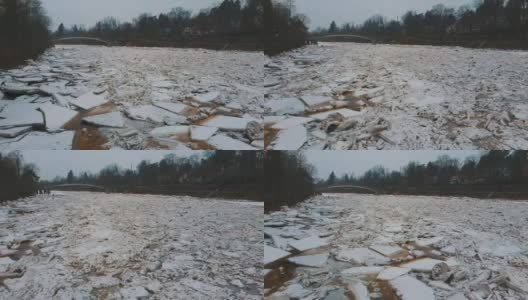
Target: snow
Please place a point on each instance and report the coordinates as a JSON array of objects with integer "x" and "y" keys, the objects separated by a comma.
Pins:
[
  {"x": 222, "y": 142},
  {"x": 291, "y": 138},
  {"x": 56, "y": 116},
  {"x": 118, "y": 243},
  {"x": 112, "y": 119},
  {"x": 432, "y": 97},
  {"x": 308, "y": 243},
  {"x": 315, "y": 261},
  {"x": 41, "y": 141},
  {"x": 363, "y": 256},
  {"x": 228, "y": 123},
  {"x": 202, "y": 133},
  {"x": 89, "y": 101},
  {"x": 392, "y": 273},
  {"x": 272, "y": 254},
  {"x": 409, "y": 288},
  {"x": 167, "y": 131},
  {"x": 20, "y": 115}
]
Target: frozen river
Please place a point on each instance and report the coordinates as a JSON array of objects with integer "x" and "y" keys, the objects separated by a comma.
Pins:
[
  {"x": 398, "y": 247},
  {"x": 362, "y": 96},
  {"x": 91, "y": 97},
  {"x": 80, "y": 245}
]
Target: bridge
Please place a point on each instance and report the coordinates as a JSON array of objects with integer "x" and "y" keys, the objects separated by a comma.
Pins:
[
  {"x": 344, "y": 38},
  {"x": 348, "y": 189},
  {"x": 77, "y": 187},
  {"x": 82, "y": 40}
]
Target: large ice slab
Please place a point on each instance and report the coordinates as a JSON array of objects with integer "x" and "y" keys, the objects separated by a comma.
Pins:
[
  {"x": 174, "y": 107},
  {"x": 112, "y": 119},
  {"x": 56, "y": 116},
  {"x": 386, "y": 250},
  {"x": 421, "y": 265},
  {"x": 207, "y": 97},
  {"x": 202, "y": 133},
  {"x": 355, "y": 271},
  {"x": 154, "y": 114},
  {"x": 170, "y": 131},
  {"x": 14, "y": 132},
  {"x": 291, "y": 122},
  {"x": 429, "y": 242},
  {"x": 273, "y": 254},
  {"x": 222, "y": 142},
  {"x": 315, "y": 100},
  {"x": 21, "y": 114},
  {"x": 89, "y": 101},
  {"x": 227, "y": 123},
  {"x": 410, "y": 288},
  {"x": 392, "y": 273},
  {"x": 363, "y": 256},
  {"x": 42, "y": 141},
  {"x": 314, "y": 261},
  {"x": 291, "y": 139},
  {"x": 285, "y": 106},
  {"x": 308, "y": 243}
]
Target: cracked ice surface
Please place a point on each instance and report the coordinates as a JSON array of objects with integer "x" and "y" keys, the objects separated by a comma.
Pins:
[
  {"x": 427, "y": 97},
  {"x": 477, "y": 240},
  {"x": 151, "y": 87},
  {"x": 118, "y": 246}
]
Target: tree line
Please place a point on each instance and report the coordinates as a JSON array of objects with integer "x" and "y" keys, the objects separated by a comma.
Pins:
[
  {"x": 288, "y": 179},
  {"x": 492, "y": 168},
  {"x": 230, "y": 18},
  {"x": 283, "y": 29},
  {"x": 485, "y": 19},
  {"x": 24, "y": 31},
  {"x": 17, "y": 179}
]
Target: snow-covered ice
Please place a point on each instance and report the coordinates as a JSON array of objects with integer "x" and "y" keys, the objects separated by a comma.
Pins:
[
  {"x": 111, "y": 119},
  {"x": 117, "y": 246}
]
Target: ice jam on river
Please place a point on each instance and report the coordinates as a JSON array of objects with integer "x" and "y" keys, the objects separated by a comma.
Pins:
[
  {"x": 90, "y": 97},
  {"x": 80, "y": 245},
  {"x": 343, "y": 96},
  {"x": 351, "y": 246}
]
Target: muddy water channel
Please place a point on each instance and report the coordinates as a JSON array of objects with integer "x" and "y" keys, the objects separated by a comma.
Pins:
[{"x": 319, "y": 250}]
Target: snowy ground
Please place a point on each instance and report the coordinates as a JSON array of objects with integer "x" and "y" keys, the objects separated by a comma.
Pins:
[
  {"x": 114, "y": 246},
  {"x": 124, "y": 93},
  {"x": 397, "y": 97},
  {"x": 398, "y": 247}
]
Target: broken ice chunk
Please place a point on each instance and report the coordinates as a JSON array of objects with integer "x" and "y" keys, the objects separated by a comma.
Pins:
[
  {"x": 112, "y": 119},
  {"x": 410, "y": 288},
  {"x": 392, "y": 273},
  {"x": 286, "y": 106},
  {"x": 208, "y": 97},
  {"x": 314, "y": 261},
  {"x": 222, "y": 142},
  {"x": 21, "y": 115},
  {"x": 202, "y": 133},
  {"x": 421, "y": 265},
  {"x": 56, "y": 116},
  {"x": 170, "y": 131},
  {"x": 315, "y": 100},
  {"x": 308, "y": 243},
  {"x": 386, "y": 249},
  {"x": 42, "y": 141},
  {"x": 273, "y": 254},
  {"x": 291, "y": 139},
  {"x": 362, "y": 271},
  {"x": 14, "y": 132},
  {"x": 345, "y": 112},
  {"x": 154, "y": 114},
  {"x": 174, "y": 107},
  {"x": 430, "y": 241},
  {"x": 228, "y": 123},
  {"x": 291, "y": 122},
  {"x": 362, "y": 256},
  {"x": 89, "y": 101}
]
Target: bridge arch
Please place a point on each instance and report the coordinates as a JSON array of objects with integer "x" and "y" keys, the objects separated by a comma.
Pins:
[{"x": 81, "y": 40}]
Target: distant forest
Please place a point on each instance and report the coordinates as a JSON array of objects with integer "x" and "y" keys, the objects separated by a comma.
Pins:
[
  {"x": 283, "y": 29},
  {"x": 17, "y": 179},
  {"x": 23, "y": 31},
  {"x": 239, "y": 171},
  {"x": 231, "y": 23},
  {"x": 288, "y": 179},
  {"x": 486, "y": 23},
  {"x": 492, "y": 169}
]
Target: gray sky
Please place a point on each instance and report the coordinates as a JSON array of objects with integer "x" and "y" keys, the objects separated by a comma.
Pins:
[
  {"x": 57, "y": 163},
  {"x": 357, "y": 162},
  {"x": 88, "y": 12},
  {"x": 322, "y": 12}
]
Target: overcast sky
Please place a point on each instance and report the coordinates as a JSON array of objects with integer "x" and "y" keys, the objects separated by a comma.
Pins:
[
  {"x": 357, "y": 162},
  {"x": 322, "y": 12},
  {"x": 88, "y": 12},
  {"x": 58, "y": 163}
]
